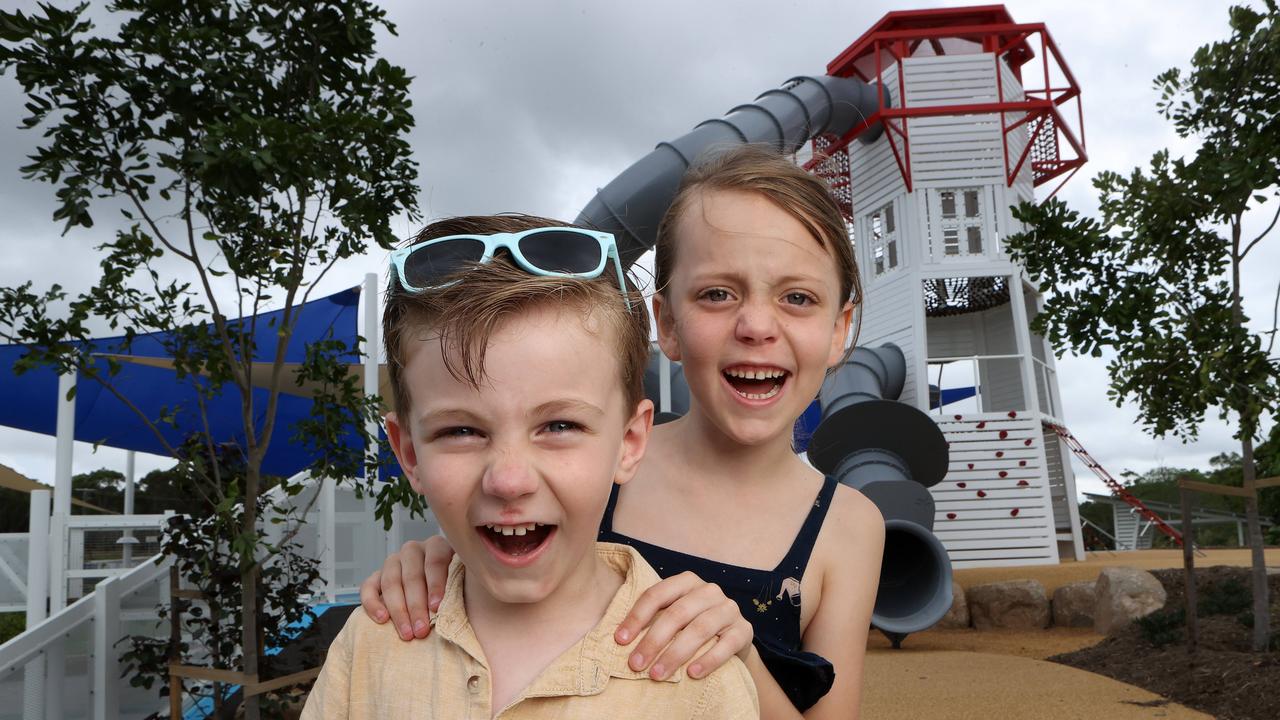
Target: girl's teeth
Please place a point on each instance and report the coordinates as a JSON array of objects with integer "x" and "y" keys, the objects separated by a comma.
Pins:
[
  {"x": 761, "y": 396},
  {"x": 513, "y": 529}
]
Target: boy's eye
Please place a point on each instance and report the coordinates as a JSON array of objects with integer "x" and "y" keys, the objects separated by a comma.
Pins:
[
  {"x": 457, "y": 431},
  {"x": 799, "y": 298},
  {"x": 561, "y": 426}
]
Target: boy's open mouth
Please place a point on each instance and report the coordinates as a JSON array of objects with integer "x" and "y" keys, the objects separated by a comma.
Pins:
[
  {"x": 756, "y": 383},
  {"x": 516, "y": 540}
]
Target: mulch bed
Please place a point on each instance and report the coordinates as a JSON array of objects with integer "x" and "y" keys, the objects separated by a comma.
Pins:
[{"x": 1226, "y": 679}]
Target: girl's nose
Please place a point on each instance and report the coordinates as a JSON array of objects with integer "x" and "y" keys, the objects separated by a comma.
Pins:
[
  {"x": 509, "y": 476},
  {"x": 757, "y": 322}
]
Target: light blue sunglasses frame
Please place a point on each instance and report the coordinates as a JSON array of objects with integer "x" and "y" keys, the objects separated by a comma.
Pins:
[{"x": 511, "y": 242}]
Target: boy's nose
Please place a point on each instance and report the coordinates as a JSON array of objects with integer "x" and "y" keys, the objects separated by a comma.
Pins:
[
  {"x": 757, "y": 322},
  {"x": 509, "y": 476}
]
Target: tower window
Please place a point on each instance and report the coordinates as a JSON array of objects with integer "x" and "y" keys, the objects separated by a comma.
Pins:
[
  {"x": 884, "y": 239},
  {"x": 961, "y": 221}
]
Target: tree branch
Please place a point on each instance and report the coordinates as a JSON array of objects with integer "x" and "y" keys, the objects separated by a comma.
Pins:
[
  {"x": 1249, "y": 247},
  {"x": 1275, "y": 317}
]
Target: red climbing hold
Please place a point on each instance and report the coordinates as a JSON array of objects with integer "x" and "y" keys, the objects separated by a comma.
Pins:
[
  {"x": 1023, "y": 483},
  {"x": 999, "y": 453},
  {"x": 951, "y": 516},
  {"x": 1013, "y": 512},
  {"x": 1013, "y": 413},
  {"x": 982, "y": 424},
  {"x": 960, "y": 484},
  {"x": 1027, "y": 442},
  {"x": 1004, "y": 474},
  {"x": 959, "y": 417},
  {"x": 1004, "y": 434},
  {"x": 970, "y": 466},
  {"x": 1022, "y": 463},
  {"x": 982, "y": 493}
]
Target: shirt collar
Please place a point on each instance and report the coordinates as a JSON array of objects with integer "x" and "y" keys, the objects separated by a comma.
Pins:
[{"x": 584, "y": 668}]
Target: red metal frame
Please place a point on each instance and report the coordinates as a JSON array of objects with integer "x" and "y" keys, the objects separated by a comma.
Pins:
[{"x": 981, "y": 29}]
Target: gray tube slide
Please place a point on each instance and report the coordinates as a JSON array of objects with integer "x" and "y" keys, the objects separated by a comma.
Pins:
[
  {"x": 892, "y": 453},
  {"x": 632, "y": 205}
]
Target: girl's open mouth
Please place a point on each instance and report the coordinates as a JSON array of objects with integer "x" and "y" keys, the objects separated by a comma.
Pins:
[
  {"x": 516, "y": 541},
  {"x": 756, "y": 383}
]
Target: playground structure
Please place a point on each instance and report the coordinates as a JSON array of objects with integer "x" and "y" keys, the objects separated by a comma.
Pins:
[
  {"x": 1134, "y": 531},
  {"x": 957, "y": 114}
]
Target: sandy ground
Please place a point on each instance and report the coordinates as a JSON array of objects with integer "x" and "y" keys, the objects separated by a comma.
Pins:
[{"x": 1002, "y": 674}]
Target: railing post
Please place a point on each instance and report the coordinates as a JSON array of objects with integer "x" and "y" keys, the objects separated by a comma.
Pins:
[
  {"x": 106, "y": 632},
  {"x": 55, "y": 678},
  {"x": 33, "y": 680},
  {"x": 325, "y": 537},
  {"x": 1189, "y": 572}
]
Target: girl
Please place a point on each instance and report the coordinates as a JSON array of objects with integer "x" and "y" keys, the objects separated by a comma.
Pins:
[{"x": 756, "y": 285}]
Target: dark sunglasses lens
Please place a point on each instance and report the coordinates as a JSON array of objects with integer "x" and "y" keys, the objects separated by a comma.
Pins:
[
  {"x": 427, "y": 266},
  {"x": 561, "y": 251}
]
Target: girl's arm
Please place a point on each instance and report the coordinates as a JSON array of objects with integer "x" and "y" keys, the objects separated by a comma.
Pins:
[
  {"x": 681, "y": 613},
  {"x": 852, "y": 545}
]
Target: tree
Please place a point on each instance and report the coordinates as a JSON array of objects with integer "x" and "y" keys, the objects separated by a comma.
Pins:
[
  {"x": 249, "y": 146},
  {"x": 1157, "y": 278}
]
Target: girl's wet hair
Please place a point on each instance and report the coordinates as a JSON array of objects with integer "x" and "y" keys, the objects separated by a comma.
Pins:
[{"x": 761, "y": 169}]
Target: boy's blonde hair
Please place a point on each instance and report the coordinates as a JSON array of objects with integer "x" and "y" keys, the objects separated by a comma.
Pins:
[
  {"x": 465, "y": 315},
  {"x": 761, "y": 169}
]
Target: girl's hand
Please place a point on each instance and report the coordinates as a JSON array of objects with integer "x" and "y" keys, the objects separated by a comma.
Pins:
[
  {"x": 683, "y": 613},
  {"x": 409, "y": 587}
]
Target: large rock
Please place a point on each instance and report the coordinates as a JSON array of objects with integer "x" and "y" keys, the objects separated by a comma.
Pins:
[
  {"x": 1073, "y": 604},
  {"x": 1014, "y": 605},
  {"x": 1124, "y": 594},
  {"x": 958, "y": 615}
]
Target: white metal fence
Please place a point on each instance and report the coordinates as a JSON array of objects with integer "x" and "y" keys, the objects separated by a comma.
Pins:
[{"x": 13, "y": 572}]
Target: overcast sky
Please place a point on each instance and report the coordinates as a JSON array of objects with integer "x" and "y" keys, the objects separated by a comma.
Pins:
[{"x": 531, "y": 106}]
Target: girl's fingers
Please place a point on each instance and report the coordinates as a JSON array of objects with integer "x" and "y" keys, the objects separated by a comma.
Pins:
[
  {"x": 649, "y": 603},
  {"x": 683, "y": 627},
  {"x": 392, "y": 591},
  {"x": 371, "y": 598},
  {"x": 414, "y": 587},
  {"x": 436, "y": 555},
  {"x": 732, "y": 642}
]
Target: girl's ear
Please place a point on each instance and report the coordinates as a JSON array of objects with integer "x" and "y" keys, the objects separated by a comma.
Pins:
[
  {"x": 635, "y": 438},
  {"x": 839, "y": 333},
  {"x": 666, "y": 325},
  {"x": 401, "y": 439}
]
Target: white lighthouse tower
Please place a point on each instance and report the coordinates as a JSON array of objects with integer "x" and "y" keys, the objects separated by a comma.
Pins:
[{"x": 981, "y": 112}]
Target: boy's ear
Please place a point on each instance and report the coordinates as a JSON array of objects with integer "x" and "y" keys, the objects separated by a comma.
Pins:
[
  {"x": 401, "y": 439},
  {"x": 839, "y": 334},
  {"x": 635, "y": 438},
  {"x": 666, "y": 324}
]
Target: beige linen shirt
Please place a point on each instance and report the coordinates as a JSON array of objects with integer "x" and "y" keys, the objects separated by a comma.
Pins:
[{"x": 371, "y": 673}]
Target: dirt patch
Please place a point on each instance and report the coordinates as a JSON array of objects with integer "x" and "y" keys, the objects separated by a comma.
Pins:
[{"x": 1225, "y": 679}]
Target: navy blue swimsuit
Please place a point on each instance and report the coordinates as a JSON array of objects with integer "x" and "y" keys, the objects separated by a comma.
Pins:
[{"x": 768, "y": 599}]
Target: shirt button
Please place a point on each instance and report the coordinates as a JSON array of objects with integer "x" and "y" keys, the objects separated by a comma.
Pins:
[{"x": 473, "y": 684}]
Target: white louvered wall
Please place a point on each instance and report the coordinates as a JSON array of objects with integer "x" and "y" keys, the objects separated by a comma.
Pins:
[{"x": 993, "y": 507}]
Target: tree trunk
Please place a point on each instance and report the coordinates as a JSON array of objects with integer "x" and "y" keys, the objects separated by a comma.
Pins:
[
  {"x": 249, "y": 584},
  {"x": 1261, "y": 601}
]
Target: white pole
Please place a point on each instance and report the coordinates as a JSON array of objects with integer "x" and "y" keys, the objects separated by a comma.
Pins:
[
  {"x": 105, "y": 671},
  {"x": 129, "y": 466},
  {"x": 377, "y": 540},
  {"x": 66, "y": 433},
  {"x": 33, "y": 683}
]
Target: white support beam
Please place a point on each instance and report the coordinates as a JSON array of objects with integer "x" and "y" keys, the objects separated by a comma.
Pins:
[
  {"x": 105, "y": 679},
  {"x": 33, "y": 677}
]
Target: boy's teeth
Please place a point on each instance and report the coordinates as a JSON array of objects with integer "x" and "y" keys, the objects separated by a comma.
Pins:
[{"x": 513, "y": 529}]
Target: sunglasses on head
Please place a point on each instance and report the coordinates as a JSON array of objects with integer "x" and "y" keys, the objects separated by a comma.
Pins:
[{"x": 548, "y": 251}]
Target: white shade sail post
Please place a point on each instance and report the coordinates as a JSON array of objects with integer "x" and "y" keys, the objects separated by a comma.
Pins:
[{"x": 33, "y": 680}]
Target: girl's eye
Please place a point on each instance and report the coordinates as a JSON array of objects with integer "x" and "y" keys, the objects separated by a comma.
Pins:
[
  {"x": 799, "y": 298},
  {"x": 561, "y": 426},
  {"x": 716, "y": 295}
]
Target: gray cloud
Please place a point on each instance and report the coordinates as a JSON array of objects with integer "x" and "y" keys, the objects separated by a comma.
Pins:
[{"x": 532, "y": 106}]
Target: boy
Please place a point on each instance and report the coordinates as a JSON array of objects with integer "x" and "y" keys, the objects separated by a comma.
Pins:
[{"x": 519, "y": 402}]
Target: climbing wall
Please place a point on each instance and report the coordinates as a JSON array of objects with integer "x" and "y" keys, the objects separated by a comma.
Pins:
[{"x": 994, "y": 506}]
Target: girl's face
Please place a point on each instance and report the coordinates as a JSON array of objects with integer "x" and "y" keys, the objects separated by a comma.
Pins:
[{"x": 753, "y": 310}]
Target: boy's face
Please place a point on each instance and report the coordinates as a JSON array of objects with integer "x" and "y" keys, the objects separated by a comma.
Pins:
[{"x": 519, "y": 471}]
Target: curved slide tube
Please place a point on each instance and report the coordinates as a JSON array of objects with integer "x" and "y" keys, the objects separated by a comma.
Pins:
[
  {"x": 632, "y": 205},
  {"x": 892, "y": 453}
]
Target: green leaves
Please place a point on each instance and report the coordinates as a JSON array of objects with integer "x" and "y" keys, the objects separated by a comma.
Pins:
[{"x": 1155, "y": 277}]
